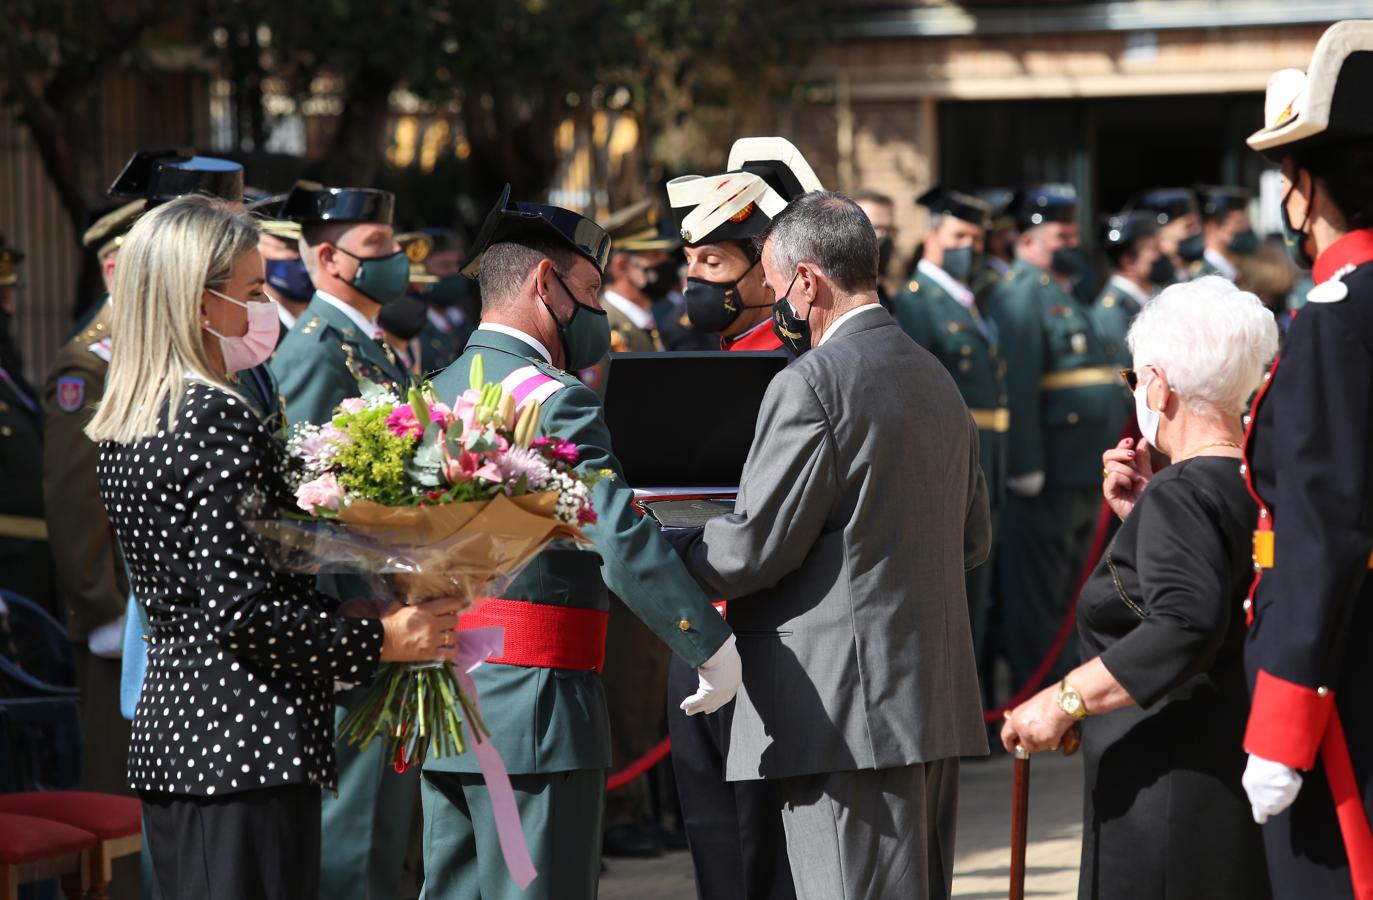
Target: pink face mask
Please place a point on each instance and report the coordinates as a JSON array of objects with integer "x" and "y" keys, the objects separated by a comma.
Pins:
[{"x": 255, "y": 346}]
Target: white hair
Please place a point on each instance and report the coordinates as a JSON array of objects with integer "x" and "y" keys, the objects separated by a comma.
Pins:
[{"x": 1212, "y": 339}]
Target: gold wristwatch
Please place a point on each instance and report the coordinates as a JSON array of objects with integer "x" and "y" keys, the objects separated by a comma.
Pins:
[{"x": 1070, "y": 701}]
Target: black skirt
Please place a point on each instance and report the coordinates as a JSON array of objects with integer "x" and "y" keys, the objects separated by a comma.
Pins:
[{"x": 255, "y": 845}]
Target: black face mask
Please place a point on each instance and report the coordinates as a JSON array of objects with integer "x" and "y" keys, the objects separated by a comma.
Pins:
[
  {"x": 662, "y": 279},
  {"x": 884, "y": 253},
  {"x": 1191, "y": 249},
  {"x": 1161, "y": 273},
  {"x": 1068, "y": 262},
  {"x": 404, "y": 318},
  {"x": 792, "y": 330},
  {"x": 713, "y": 306}
]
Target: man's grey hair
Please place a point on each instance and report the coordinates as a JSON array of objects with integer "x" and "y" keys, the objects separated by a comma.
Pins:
[
  {"x": 831, "y": 232},
  {"x": 505, "y": 266}
]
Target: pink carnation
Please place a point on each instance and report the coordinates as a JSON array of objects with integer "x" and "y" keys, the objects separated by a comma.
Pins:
[
  {"x": 558, "y": 449},
  {"x": 403, "y": 423},
  {"x": 353, "y": 405},
  {"x": 323, "y": 493}
]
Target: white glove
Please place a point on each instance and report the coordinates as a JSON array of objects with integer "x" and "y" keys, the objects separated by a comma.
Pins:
[
  {"x": 1271, "y": 786},
  {"x": 1031, "y": 484},
  {"x": 719, "y": 680},
  {"x": 107, "y": 641}
]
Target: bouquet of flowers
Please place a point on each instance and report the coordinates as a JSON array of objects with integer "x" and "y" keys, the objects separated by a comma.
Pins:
[{"x": 429, "y": 501}]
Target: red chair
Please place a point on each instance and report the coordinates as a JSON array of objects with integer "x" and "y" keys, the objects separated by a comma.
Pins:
[
  {"x": 116, "y": 822},
  {"x": 33, "y": 849}
]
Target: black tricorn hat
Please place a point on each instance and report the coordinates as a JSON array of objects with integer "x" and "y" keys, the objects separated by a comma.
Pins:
[
  {"x": 1217, "y": 200},
  {"x": 1124, "y": 228},
  {"x": 1164, "y": 204},
  {"x": 947, "y": 201},
  {"x": 1040, "y": 205},
  {"x": 161, "y": 175},
  {"x": 309, "y": 202},
  {"x": 511, "y": 221}
]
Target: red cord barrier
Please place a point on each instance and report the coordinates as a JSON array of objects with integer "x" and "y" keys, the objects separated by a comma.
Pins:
[{"x": 639, "y": 766}]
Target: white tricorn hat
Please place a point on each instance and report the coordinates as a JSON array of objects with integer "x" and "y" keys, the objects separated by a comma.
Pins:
[
  {"x": 1329, "y": 102},
  {"x": 765, "y": 174}
]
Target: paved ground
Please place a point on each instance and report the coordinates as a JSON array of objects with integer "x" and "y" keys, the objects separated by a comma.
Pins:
[{"x": 984, "y": 826}]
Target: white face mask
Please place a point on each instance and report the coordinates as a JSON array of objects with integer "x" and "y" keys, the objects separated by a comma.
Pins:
[
  {"x": 255, "y": 346},
  {"x": 1148, "y": 418}
]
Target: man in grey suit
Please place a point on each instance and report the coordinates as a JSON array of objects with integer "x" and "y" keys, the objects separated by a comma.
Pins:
[{"x": 861, "y": 506}]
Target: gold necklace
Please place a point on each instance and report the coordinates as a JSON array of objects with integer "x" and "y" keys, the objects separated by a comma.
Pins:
[{"x": 1195, "y": 450}]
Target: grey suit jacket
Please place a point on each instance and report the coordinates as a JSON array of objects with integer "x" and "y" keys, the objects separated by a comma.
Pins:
[{"x": 861, "y": 506}]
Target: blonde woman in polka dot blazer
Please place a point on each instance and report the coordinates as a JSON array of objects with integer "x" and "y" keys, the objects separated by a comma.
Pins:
[{"x": 233, "y": 740}]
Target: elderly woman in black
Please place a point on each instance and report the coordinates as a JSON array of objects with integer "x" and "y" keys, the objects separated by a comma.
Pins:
[
  {"x": 233, "y": 738},
  {"x": 1162, "y": 698}
]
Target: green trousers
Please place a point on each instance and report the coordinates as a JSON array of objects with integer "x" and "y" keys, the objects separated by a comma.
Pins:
[
  {"x": 561, "y": 813},
  {"x": 366, "y": 829},
  {"x": 1044, "y": 542}
]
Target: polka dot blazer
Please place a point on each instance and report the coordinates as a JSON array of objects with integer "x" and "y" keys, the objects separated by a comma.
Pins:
[{"x": 242, "y": 659}]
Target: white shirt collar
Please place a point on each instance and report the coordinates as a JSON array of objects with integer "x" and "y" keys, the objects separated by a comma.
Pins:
[
  {"x": 1122, "y": 283},
  {"x": 367, "y": 326},
  {"x": 834, "y": 326},
  {"x": 1223, "y": 266},
  {"x": 936, "y": 274},
  {"x": 635, "y": 313},
  {"x": 287, "y": 320},
  {"x": 438, "y": 320},
  {"x": 519, "y": 336}
]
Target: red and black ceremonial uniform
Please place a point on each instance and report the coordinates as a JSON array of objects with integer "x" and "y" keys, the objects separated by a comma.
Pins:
[{"x": 1309, "y": 454}]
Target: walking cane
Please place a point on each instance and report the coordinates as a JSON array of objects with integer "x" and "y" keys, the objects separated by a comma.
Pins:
[{"x": 1020, "y": 821}]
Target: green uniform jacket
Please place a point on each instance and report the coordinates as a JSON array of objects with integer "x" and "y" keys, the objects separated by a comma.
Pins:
[
  {"x": 1067, "y": 403},
  {"x": 90, "y": 579},
  {"x": 935, "y": 320},
  {"x": 437, "y": 349},
  {"x": 554, "y": 720},
  {"x": 320, "y": 361},
  {"x": 1111, "y": 315},
  {"x": 1200, "y": 269}
]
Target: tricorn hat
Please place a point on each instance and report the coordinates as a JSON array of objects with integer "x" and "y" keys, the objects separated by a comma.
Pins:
[
  {"x": 511, "y": 220},
  {"x": 1125, "y": 228},
  {"x": 107, "y": 232},
  {"x": 267, "y": 212},
  {"x": 309, "y": 202},
  {"x": 1326, "y": 104},
  {"x": 161, "y": 175},
  {"x": 1164, "y": 204},
  {"x": 947, "y": 201},
  {"x": 1042, "y": 204},
  {"x": 417, "y": 246},
  {"x": 765, "y": 174},
  {"x": 1218, "y": 200}
]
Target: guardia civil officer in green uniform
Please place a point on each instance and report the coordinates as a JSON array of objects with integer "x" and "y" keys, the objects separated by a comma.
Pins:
[
  {"x": 1067, "y": 406},
  {"x": 1139, "y": 268},
  {"x": 640, "y": 272},
  {"x": 356, "y": 267},
  {"x": 938, "y": 309},
  {"x": 540, "y": 270},
  {"x": 418, "y": 344},
  {"x": 1227, "y": 232},
  {"x": 1175, "y": 213},
  {"x": 999, "y": 255}
]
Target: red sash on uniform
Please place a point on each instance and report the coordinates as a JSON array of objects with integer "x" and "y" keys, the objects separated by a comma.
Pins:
[{"x": 760, "y": 337}]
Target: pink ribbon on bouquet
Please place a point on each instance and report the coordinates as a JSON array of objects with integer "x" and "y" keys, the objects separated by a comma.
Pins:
[{"x": 475, "y": 646}]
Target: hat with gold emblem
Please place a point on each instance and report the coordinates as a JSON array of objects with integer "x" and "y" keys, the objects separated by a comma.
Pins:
[
  {"x": 267, "y": 212},
  {"x": 417, "y": 246},
  {"x": 640, "y": 227},
  {"x": 10, "y": 257},
  {"x": 764, "y": 175},
  {"x": 1327, "y": 104}
]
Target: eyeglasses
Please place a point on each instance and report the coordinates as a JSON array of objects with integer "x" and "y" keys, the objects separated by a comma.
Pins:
[{"x": 1130, "y": 378}]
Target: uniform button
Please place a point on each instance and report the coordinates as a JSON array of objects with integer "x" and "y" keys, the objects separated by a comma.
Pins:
[
  {"x": 6, "y": 431},
  {"x": 1267, "y": 376},
  {"x": 1072, "y": 418},
  {"x": 1248, "y": 605},
  {"x": 1322, "y": 691},
  {"x": 684, "y": 625},
  {"x": 1244, "y": 470},
  {"x": 966, "y": 350},
  {"x": 1258, "y": 568},
  {"x": 1263, "y": 514},
  {"x": 1247, "y": 420}
]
